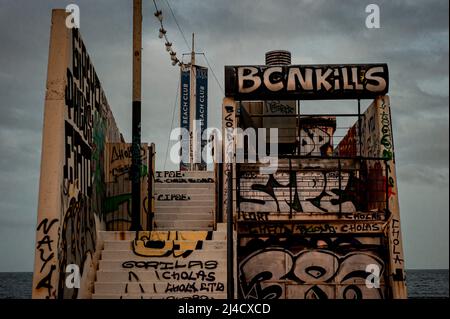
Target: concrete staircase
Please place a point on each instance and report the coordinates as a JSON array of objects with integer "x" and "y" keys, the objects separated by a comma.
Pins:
[
  {"x": 162, "y": 265},
  {"x": 184, "y": 200}
]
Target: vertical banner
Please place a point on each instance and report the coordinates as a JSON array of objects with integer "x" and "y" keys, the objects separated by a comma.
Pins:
[
  {"x": 185, "y": 110},
  {"x": 201, "y": 106}
]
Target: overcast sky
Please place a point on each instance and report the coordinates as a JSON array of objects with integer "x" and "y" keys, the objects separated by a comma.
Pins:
[{"x": 413, "y": 40}]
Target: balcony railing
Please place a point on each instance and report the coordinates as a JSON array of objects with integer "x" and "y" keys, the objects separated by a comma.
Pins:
[{"x": 314, "y": 185}]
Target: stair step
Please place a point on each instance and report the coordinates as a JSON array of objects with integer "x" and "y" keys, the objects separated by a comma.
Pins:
[
  {"x": 130, "y": 235},
  {"x": 206, "y": 244},
  {"x": 180, "y": 209},
  {"x": 142, "y": 263},
  {"x": 204, "y": 182},
  {"x": 170, "y": 227},
  {"x": 190, "y": 180},
  {"x": 117, "y": 235},
  {"x": 180, "y": 275},
  {"x": 178, "y": 235},
  {"x": 172, "y": 189},
  {"x": 162, "y": 226},
  {"x": 194, "y": 288},
  {"x": 185, "y": 203},
  {"x": 202, "y": 255},
  {"x": 161, "y": 296},
  {"x": 185, "y": 185},
  {"x": 180, "y": 217},
  {"x": 171, "y": 196},
  {"x": 184, "y": 224}
]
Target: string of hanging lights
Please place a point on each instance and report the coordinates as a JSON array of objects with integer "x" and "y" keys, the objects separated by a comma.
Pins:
[{"x": 163, "y": 34}]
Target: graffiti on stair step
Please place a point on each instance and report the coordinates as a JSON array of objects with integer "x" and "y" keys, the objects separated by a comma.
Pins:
[
  {"x": 170, "y": 243},
  {"x": 193, "y": 297},
  {"x": 195, "y": 277},
  {"x": 170, "y": 177},
  {"x": 189, "y": 180},
  {"x": 172, "y": 197},
  {"x": 169, "y": 265},
  {"x": 133, "y": 277},
  {"x": 165, "y": 248},
  {"x": 172, "y": 290},
  {"x": 195, "y": 287},
  {"x": 310, "y": 274},
  {"x": 200, "y": 275}
]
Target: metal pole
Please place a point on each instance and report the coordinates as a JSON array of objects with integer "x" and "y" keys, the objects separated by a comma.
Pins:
[
  {"x": 340, "y": 187},
  {"x": 136, "y": 118},
  {"x": 220, "y": 208},
  {"x": 230, "y": 252},
  {"x": 151, "y": 187},
  {"x": 386, "y": 168},
  {"x": 299, "y": 131},
  {"x": 193, "y": 51},
  {"x": 359, "y": 129},
  {"x": 290, "y": 188}
]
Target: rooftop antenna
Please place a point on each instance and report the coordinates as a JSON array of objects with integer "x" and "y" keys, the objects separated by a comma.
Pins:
[{"x": 193, "y": 51}]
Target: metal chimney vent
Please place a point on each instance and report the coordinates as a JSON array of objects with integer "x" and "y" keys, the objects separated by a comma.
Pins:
[{"x": 278, "y": 57}]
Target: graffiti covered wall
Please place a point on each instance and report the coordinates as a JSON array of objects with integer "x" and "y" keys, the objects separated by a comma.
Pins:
[
  {"x": 310, "y": 229},
  {"x": 305, "y": 232},
  {"x": 316, "y": 135},
  {"x": 78, "y": 123},
  {"x": 377, "y": 141},
  {"x": 229, "y": 124},
  {"x": 298, "y": 268},
  {"x": 118, "y": 186}
]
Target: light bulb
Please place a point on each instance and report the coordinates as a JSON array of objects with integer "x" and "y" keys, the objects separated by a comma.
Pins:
[
  {"x": 159, "y": 15},
  {"x": 162, "y": 32},
  {"x": 168, "y": 46}
]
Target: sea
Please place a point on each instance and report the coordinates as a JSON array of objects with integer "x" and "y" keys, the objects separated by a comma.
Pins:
[{"x": 422, "y": 284}]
